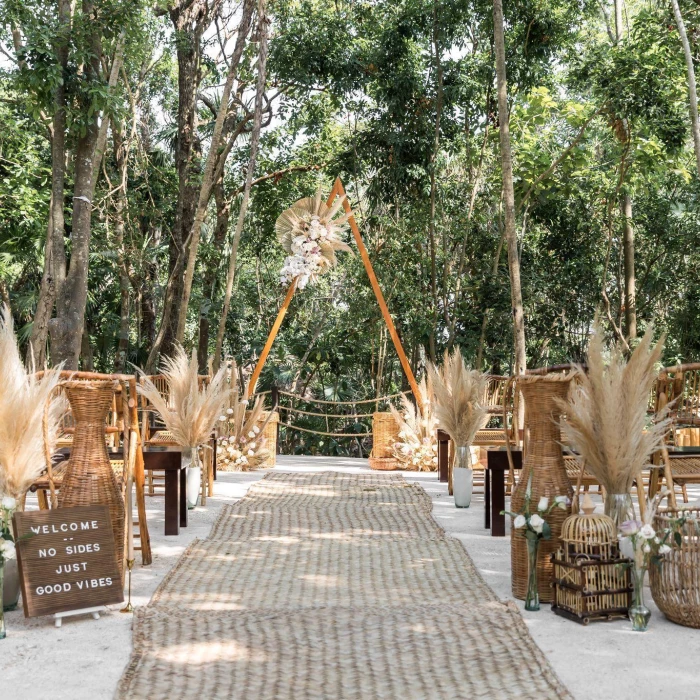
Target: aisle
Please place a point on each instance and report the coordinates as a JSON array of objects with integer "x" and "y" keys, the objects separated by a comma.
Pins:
[{"x": 331, "y": 585}]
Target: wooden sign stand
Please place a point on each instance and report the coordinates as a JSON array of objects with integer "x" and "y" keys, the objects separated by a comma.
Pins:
[
  {"x": 339, "y": 191},
  {"x": 95, "y": 612}
]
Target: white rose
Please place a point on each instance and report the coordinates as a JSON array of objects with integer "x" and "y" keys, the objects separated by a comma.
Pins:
[
  {"x": 536, "y": 523},
  {"x": 229, "y": 411},
  {"x": 646, "y": 548},
  {"x": 251, "y": 453},
  {"x": 8, "y": 549},
  {"x": 664, "y": 549},
  {"x": 256, "y": 430},
  {"x": 626, "y": 547},
  {"x": 544, "y": 502},
  {"x": 9, "y": 503},
  {"x": 519, "y": 522},
  {"x": 647, "y": 532},
  {"x": 222, "y": 418}
]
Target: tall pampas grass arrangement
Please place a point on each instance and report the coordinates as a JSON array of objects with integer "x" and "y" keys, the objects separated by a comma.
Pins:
[
  {"x": 242, "y": 445},
  {"x": 460, "y": 395},
  {"x": 416, "y": 448},
  {"x": 23, "y": 399},
  {"x": 606, "y": 419},
  {"x": 190, "y": 412}
]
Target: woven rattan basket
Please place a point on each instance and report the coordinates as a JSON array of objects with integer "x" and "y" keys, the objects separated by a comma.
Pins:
[
  {"x": 675, "y": 585},
  {"x": 385, "y": 433},
  {"x": 89, "y": 478},
  {"x": 269, "y": 432},
  {"x": 384, "y": 464},
  {"x": 544, "y": 462}
]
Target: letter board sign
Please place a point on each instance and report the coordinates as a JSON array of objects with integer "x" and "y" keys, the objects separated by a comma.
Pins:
[{"x": 67, "y": 561}]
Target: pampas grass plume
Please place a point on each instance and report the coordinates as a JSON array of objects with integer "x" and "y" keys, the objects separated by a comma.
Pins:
[
  {"x": 189, "y": 412},
  {"x": 23, "y": 398},
  {"x": 606, "y": 419},
  {"x": 460, "y": 394}
]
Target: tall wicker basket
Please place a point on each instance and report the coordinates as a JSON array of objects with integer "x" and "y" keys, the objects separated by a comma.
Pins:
[
  {"x": 675, "y": 585},
  {"x": 269, "y": 432},
  {"x": 89, "y": 478},
  {"x": 544, "y": 462},
  {"x": 385, "y": 432}
]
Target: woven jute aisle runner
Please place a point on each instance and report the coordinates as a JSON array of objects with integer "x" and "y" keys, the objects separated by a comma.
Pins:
[{"x": 331, "y": 586}]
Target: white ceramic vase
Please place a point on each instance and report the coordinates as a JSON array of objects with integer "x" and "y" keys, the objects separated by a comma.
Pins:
[
  {"x": 462, "y": 477},
  {"x": 190, "y": 459}
]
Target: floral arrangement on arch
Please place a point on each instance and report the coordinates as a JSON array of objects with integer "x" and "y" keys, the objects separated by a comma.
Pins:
[
  {"x": 241, "y": 444},
  {"x": 310, "y": 236},
  {"x": 416, "y": 447}
]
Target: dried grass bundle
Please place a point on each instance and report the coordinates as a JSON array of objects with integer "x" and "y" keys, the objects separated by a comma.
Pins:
[
  {"x": 190, "y": 412},
  {"x": 416, "y": 448},
  {"x": 23, "y": 399},
  {"x": 606, "y": 414},
  {"x": 242, "y": 444},
  {"x": 460, "y": 396}
]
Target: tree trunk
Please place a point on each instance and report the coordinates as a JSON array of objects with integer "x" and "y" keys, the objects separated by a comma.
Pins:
[
  {"x": 508, "y": 193},
  {"x": 55, "y": 255},
  {"x": 255, "y": 137},
  {"x": 189, "y": 34},
  {"x": 692, "y": 87},
  {"x": 223, "y": 215},
  {"x": 628, "y": 256},
  {"x": 618, "y": 20},
  {"x": 433, "y": 189},
  {"x": 67, "y": 328},
  {"x": 120, "y": 204},
  {"x": 208, "y": 175},
  {"x": 147, "y": 330}
]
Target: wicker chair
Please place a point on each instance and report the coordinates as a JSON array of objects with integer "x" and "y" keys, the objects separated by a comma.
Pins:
[
  {"x": 122, "y": 419},
  {"x": 678, "y": 391}
]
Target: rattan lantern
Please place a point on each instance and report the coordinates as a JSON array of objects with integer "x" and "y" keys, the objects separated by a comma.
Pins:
[{"x": 591, "y": 580}]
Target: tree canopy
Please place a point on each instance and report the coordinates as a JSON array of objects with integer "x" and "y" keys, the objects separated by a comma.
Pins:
[{"x": 132, "y": 133}]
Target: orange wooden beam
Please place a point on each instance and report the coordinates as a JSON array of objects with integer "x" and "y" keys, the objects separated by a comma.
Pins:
[
  {"x": 339, "y": 190},
  {"x": 271, "y": 338}
]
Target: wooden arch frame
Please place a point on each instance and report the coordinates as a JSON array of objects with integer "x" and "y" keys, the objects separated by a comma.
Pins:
[{"x": 339, "y": 191}]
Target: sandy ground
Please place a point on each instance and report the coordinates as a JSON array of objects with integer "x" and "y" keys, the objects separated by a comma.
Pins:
[{"x": 84, "y": 659}]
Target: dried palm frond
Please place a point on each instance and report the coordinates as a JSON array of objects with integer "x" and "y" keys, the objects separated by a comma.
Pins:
[
  {"x": 242, "y": 445},
  {"x": 310, "y": 236},
  {"x": 460, "y": 396},
  {"x": 23, "y": 398},
  {"x": 606, "y": 418},
  {"x": 189, "y": 412},
  {"x": 417, "y": 444}
]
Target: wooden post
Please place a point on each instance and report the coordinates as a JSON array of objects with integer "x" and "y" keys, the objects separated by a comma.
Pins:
[
  {"x": 339, "y": 191},
  {"x": 271, "y": 338}
]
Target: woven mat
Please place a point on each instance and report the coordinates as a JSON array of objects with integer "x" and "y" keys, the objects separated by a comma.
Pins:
[
  {"x": 417, "y": 652},
  {"x": 331, "y": 586},
  {"x": 247, "y": 520},
  {"x": 252, "y": 575}
]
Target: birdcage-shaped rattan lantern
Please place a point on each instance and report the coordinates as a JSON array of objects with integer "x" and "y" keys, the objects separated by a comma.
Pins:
[{"x": 591, "y": 580}]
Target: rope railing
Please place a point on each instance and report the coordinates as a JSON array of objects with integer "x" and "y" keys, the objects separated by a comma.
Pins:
[
  {"x": 324, "y": 415},
  {"x": 344, "y": 403},
  {"x": 320, "y": 432}
]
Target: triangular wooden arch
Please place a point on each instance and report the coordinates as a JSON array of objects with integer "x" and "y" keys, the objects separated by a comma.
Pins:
[{"x": 338, "y": 191}]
